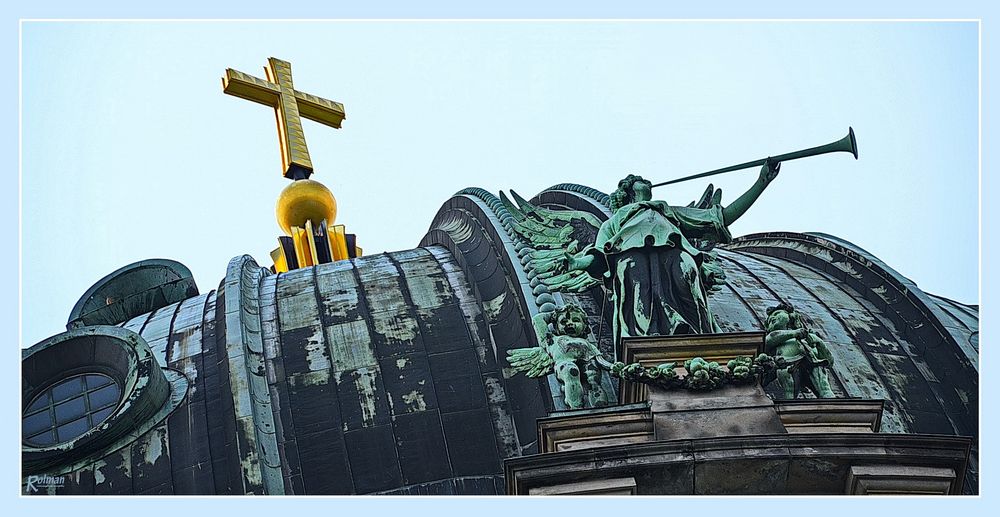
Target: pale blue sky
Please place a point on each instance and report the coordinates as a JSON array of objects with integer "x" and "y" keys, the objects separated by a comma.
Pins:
[
  {"x": 132, "y": 151},
  {"x": 45, "y": 314}
]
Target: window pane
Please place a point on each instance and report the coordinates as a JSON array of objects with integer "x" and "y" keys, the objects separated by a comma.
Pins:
[
  {"x": 70, "y": 410},
  {"x": 46, "y": 438},
  {"x": 39, "y": 403},
  {"x": 68, "y": 389},
  {"x": 73, "y": 429},
  {"x": 96, "y": 381},
  {"x": 35, "y": 423},
  {"x": 99, "y": 416},
  {"x": 105, "y": 396}
]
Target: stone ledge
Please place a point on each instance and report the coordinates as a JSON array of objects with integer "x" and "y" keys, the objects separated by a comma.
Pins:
[
  {"x": 830, "y": 415},
  {"x": 618, "y": 486},
  {"x": 585, "y": 429},
  {"x": 813, "y": 463},
  {"x": 901, "y": 480}
]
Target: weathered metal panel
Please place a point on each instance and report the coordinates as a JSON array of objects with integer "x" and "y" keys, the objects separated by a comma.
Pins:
[
  {"x": 350, "y": 346},
  {"x": 380, "y": 279},
  {"x": 315, "y": 414},
  {"x": 255, "y": 439},
  {"x": 425, "y": 281},
  {"x": 471, "y": 445},
  {"x": 475, "y": 321},
  {"x": 455, "y": 486},
  {"x": 156, "y": 332},
  {"x": 502, "y": 420},
  {"x": 185, "y": 339},
  {"x": 922, "y": 398},
  {"x": 78, "y": 482},
  {"x": 408, "y": 383},
  {"x": 113, "y": 473},
  {"x": 325, "y": 468},
  {"x": 420, "y": 447},
  {"x": 372, "y": 452},
  {"x": 358, "y": 380},
  {"x": 151, "y": 474},
  {"x": 732, "y": 313},
  {"x": 470, "y": 226},
  {"x": 458, "y": 383},
  {"x": 135, "y": 324},
  {"x": 218, "y": 403},
  {"x": 501, "y": 415},
  {"x": 854, "y": 370},
  {"x": 190, "y": 454},
  {"x": 363, "y": 398}
]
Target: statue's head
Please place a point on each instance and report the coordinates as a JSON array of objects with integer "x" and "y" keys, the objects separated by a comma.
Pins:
[
  {"x": 632, "y": 189},
  {"x": 782, "y": 317},
  {"x": 571, "y": 320}
]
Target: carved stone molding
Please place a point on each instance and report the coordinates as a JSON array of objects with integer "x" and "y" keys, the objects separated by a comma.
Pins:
[
  {"x": 901, "y": 480},
  {"x": 617, "y": 486}
]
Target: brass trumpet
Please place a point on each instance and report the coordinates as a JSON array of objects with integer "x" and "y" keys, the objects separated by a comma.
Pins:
[{"x": 847, "y": 144}]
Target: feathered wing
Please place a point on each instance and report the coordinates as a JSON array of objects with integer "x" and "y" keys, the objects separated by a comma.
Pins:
[
  {"x": 534, "y": 361},
  {"x": 711, "y": 197},
  {"x": 712, "y": 274},
  {"x": 551, "y": 234}
]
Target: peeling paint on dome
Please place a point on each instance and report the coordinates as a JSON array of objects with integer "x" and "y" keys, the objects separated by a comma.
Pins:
[
  {"x": 415, "y": 401},
  {"x": 492, "y": 307}
]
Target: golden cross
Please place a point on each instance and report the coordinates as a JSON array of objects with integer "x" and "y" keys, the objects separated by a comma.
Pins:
[{"x": 289, "y": 104}]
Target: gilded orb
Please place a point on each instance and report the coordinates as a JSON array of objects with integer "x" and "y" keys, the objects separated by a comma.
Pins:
[{"x": 305, "y": 200}]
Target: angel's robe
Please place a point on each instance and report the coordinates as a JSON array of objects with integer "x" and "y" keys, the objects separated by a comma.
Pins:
[{"x": 643, "y": 255}]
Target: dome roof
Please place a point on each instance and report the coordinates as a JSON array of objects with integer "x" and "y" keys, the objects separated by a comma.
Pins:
[{"x": 387, "y": 373}]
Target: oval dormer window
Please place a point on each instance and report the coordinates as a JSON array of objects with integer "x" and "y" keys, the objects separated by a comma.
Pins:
[
  {"x": 88, "y": 392},
  {"x": 69, "y": 408}
]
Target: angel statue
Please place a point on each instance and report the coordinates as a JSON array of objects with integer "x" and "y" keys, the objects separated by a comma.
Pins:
[
  {"x": 807, "y": 356},
  {"x": 565, "y": 350},
  {"x": 651, "y": 257}
]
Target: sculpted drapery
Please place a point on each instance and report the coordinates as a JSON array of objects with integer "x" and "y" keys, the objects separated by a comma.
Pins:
[{"x": 652, "y": 270}]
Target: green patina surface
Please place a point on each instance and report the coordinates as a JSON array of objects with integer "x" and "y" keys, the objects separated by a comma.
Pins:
[
  {"x": 807, "y": 357},
  {"x": 566, "y": 351},
  {"x": 700, "y": 375},
  {"x": 653, "y": 258},
  {"x": 135, "y": 289}
]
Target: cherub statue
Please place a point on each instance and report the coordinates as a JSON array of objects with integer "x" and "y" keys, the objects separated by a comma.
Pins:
[
  {"x": 566, "y": 351},
  {"x": 806, "y": 354}
]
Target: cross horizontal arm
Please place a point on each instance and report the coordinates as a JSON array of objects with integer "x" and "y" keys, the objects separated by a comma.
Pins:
[
  {"x": 318, "y": 109},
  {"x": 248, "y": 87}
]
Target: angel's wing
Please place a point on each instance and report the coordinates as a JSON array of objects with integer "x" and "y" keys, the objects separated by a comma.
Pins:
[
  {"x": 711, "y": 197},
  {"x": 551, "y": 234},
  {"x": 534, "y": 361},
  {"x": 551, "y": 229}
]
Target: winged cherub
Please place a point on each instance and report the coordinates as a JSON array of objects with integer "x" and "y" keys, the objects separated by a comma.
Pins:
[{"x": 576, "y": 361}]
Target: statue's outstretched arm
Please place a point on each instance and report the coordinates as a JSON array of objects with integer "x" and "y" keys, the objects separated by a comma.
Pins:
[{"x": 739, "y": 207}]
